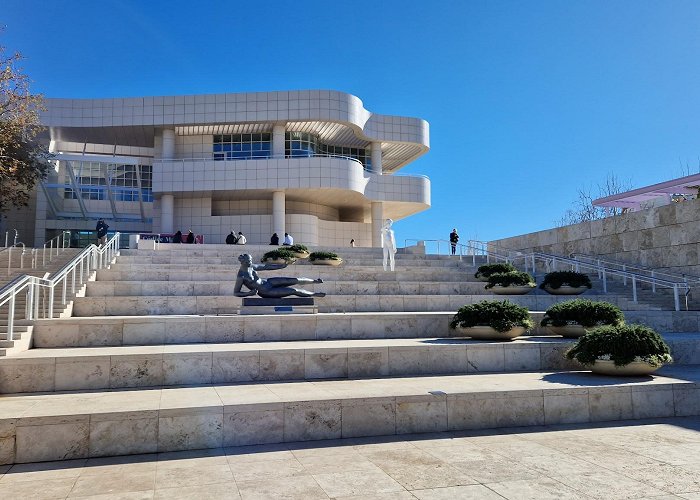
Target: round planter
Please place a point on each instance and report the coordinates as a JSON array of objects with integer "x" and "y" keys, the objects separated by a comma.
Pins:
[
  {"x": 568, "y": 331},
  {"x": 327, "y": 262},
  {"x": 565, "y": 290},
  {"x": 634, "y": 369},
  {"x": 278, "y": 261},
  {"x": 488, "y": 333},
  {"x": 300, "y": 255},
  {"x": 511, "y": 290}
]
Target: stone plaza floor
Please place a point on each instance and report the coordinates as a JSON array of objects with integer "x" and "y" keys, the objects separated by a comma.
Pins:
[{"x": 657, "y": 459}]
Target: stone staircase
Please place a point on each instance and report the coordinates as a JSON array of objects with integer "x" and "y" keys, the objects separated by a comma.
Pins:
[
  {"x": 155, "y": 358},
  {"x": 23, "y": 329}
]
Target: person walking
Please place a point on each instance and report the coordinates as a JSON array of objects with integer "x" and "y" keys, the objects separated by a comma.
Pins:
[
  {"x": 101, "y": 229},
  {"x": 454, "y": 238},
  {"x": 231, "y": 239}
]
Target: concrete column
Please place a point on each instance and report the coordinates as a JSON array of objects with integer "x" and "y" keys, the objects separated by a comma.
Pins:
[
  {"x": 167, "y": 213},
  {"x": 278, "y": 141},
  {"x": 377, "y": 158},
  {"x": 278, "y": 213},
  {"x": 377, "y": 222},
  {"x": 168, "y": 144}
]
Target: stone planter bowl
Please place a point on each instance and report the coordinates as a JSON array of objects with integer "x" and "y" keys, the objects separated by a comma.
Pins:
[
  {"x": 327, "y": 262},
  {"x": 634, "y": 369},
  {"x": 511, "y": 290},
  {"x": 565, "y": 290},
  {"x": 488, "y": 333},
  {"x": 568, "y": 331},
  {"x": 301, "y": 255},
  {"x": 279, "y": 261}
]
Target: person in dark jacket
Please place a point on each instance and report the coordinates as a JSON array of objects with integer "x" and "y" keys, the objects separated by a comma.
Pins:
[
  {"x": 177, "y": 237},
  {"x": 101, "y": 229},
  {"x": 190, "y": 237},
  {"x": 454, "y": 238},
  {"x": 274, "y": 240},
  {"x": 231, "y": 239}
]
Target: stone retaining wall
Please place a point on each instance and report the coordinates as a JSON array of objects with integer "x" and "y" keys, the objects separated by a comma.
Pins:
[{"x": 665, "y": 238}]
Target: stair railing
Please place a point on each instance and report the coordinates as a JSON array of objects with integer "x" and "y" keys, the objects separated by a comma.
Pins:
[
  {"x": 677, "y": 277},
  {"x": 9, "y": 251},
  {"x": 55, "y": 246},
  {"x": 530, "y": 260},
  {"x": 41, "y": 292}
]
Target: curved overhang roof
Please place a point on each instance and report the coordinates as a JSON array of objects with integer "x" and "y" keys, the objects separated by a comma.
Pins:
[
  {"x": 634, "y": 198},
  {"x": 337, "y": 118}
]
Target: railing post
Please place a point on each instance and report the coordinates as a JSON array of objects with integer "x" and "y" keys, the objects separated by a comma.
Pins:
[
  {"x": 43, "y": 255},
  {"x": 11, "y": 318},
  {"x": 9, "y": 260},
  {"x": 634, "y": 289},
  {"x": 653, "y": 281},
  {"x": 599, "y": 269},
  {"x": 624, "y": 276},
  {"x": 676, "y": 299},
  {"x": 73, "y": 282},
  {"x": 65, "y": 285},
  {"x": 605, "y": 282},
  {"x": 81, "y": 271},
  {"x": 51, "y": 296}
]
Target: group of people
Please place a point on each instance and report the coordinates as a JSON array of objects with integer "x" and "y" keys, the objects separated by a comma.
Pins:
[
  {"x": 179, "y": 238},
  {"x": 233, "y": 239},
  {"x": 275, "y": 239}
]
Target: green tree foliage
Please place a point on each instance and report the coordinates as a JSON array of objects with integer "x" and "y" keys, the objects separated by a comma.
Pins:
[{"x": 23, "y": 161}]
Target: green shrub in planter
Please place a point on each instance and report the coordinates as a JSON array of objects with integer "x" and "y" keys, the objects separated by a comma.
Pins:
[
  {"x": 587, "y": 313},
  {"x": 622, "y": 344},
  {"x": 488, "y": 269},
  {"x": 281, "y": 254},
  {"x": 297, "y": 248},
  {"x": 501, "y": 315},
  {"x": 513, "y": 278},
  {"x": 323, "y": 256},
  {"x": 558, "y": 278}
]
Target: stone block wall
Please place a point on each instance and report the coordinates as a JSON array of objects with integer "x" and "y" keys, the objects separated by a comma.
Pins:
[{"x": 665, "y": 238}]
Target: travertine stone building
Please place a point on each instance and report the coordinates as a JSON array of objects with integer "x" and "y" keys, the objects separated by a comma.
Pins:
[{"x": 313, "y": 163}]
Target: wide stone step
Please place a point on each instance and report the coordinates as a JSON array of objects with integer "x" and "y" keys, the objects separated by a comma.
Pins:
[
  {"x": 41, "y": 370},
  {"x": 190, "y": 273},
  {"x": 156, "y": 330},
  {"x": 228, "y": 304},
  {"x": 74, "y": 425},
  {"x": 331, "y": 286}
]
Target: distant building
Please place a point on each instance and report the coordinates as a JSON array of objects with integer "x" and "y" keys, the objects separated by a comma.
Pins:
[{"x": 313, "y": 163}]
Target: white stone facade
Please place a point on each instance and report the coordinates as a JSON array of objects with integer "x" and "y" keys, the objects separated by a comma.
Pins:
[{"x": 313, "y": 163}]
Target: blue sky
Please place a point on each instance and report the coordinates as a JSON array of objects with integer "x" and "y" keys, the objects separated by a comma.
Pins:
[{"x": 527, "y": 101}]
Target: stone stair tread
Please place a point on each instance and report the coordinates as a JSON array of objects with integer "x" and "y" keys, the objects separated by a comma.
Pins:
[
  {"x": 211, "y": 398},
  {"x": 312, "y": 345}
]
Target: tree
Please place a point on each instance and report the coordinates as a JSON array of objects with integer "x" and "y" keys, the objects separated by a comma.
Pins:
[
  {"x": 583, "y": 209},
  {"x": 23, "y": 161}
]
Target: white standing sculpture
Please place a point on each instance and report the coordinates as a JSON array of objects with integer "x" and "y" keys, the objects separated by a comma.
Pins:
[{"x": 388, "y": 244}]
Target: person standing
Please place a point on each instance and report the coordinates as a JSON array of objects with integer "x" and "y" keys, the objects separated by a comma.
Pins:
[
  {"x": 288, "y": 240},
  {"x": 101, "y": 229},
  {"x": 454, "y": 238},
  {"x": 231, "y": 239}
]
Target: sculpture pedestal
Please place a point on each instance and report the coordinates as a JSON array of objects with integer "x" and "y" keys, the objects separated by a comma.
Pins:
[{"x": 286, "y": 305}]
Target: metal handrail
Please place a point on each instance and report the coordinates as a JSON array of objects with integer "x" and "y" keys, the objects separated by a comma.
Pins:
[
  {"x": 678, "y": 277},
  {"x": 7, "y": 237},
  {"x": 530, "y": 260},
  {"x": 9, "y": 255},
  {"x": 61, "y": 243},
  {"x": 78, "y": 271}
]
